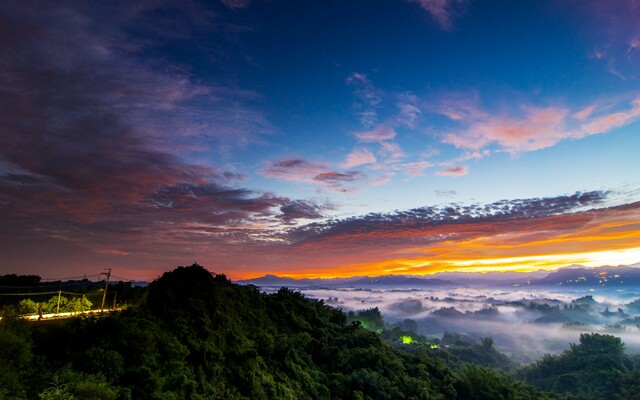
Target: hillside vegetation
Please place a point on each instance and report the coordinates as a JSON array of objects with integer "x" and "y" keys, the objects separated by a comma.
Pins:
[{"x": 195, "y": 335}]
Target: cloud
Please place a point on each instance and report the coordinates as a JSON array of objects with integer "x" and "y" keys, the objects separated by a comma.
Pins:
[
  {"x": 584, "y": 113},
  {"x": 97, "y": 135},
  {"x": 532, "y": 128},
  {"x": 81, "y": 108},
  {"x": 416, "y": 168},
  {"x": 445, "y": 193},
  {"x": 235, "y": 4},
  {"x": 604, "y": 122},
  {"x": 400, "y": 224},
  {"x": 453, "y": 171},
  {"x": 525, "y": 234},
  {"x": 300, "y": 209},
  {"x": 300, "y": 170},
  {"x": 613, "y": 32},
  {"x": 443, "y": 12},
  {"x": 336, "y": 180},
  {"x": 409, "y": 111},
  {"x": 359, "y": 156},
  {"x": 294, "y": 169},
  {"x": 379, "y": 134},
  {"x": 368, "y": 98},
  {"x": 391, "y": 150}
]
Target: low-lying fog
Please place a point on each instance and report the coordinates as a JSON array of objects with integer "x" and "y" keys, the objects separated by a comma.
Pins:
[{"x": 523, "y": 323}]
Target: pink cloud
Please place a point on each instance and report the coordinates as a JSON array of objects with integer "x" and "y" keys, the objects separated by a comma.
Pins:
[
  {"x": 607, "y": 122},
  {"x": 453, "y": 171},
  {"x": 443, "y": 12},
  {"x": 391, "y": 150},
  {"x": 336, "y": 180},
  {"x": 584, "y": 113},
  {"x": 535, "y": 128},
  {"x": 382, "y": 180},
  {"x": 416, "y": 168},
  {"x": 359, "y": 156},
  {"x": 300, "y": 170},
  {"x": 378, "y": 134},
  {"x": 294, "y": 169}
]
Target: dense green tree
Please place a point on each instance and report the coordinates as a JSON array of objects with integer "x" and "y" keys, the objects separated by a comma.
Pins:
[
  {"x": 596, "y": 368},
  {"x": 27, "y": 306},
  {"x": 195, "y": 335}
]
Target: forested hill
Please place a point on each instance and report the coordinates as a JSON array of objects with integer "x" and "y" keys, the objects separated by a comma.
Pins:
[{"x": 197, "y": 336}]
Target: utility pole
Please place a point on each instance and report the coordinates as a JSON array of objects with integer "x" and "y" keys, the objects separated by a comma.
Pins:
[
  {"x": 58, "y": 307},
  {"x": 115, "y": 295},
  {"x": 106, "y": 286}
]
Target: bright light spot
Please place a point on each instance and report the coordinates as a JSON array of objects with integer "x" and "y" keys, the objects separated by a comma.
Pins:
[{"x": 406, "y": 339}]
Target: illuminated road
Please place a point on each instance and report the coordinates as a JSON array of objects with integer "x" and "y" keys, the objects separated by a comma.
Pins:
[{"x": 63, "y": 315}]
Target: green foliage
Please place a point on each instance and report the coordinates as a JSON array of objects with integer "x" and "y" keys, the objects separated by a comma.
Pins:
[
  {"x": 478, "y": 383},
  {"x": 370, "y": 319},
  {"x": 27, "y": 306},
  {"x": 15, "y": 359},
  {"x": 51, "y": 306},
  {"x": 197, "y": 336},
  {"x": 78, "y": 304},
  {"x": 596, "y": 368}
]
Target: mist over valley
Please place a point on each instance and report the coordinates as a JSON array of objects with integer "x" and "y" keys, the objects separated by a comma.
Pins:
[{"x": 526, "y": 314}]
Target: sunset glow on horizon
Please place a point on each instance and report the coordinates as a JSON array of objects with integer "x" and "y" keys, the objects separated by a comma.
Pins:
[
  {"x": 318, "y": 138},
  {"x": 591, "y": 239}
]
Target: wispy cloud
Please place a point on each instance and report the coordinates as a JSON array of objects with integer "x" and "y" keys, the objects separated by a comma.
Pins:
[
  {"x": 391, "y": 150},
  {"x": 368, "y": 99},
  {"x": 97, "y": 133},
  {"x": 611, "y": 33},
  {"x": 409, "y": 111},
  {"x": 359, "y": 156},
  {"x": 379, "y": 134},
  {"x": 445, "y": 193},
  {"x": 453, "y": 171},
  {"x": 443, "y": 12},
  {"x": 294, "y": 169},
  {"x": 416, "y": 168},
  {"x": 336, "y": 180},
  {"x": 532, "y": 128},
  {"x": 235, "y": 4},
  {"x": 300, "y": 170}
]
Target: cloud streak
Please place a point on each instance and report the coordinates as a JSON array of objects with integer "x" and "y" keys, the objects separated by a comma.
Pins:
[
  {"x": 368, "y": 99},
  {"x": 534, "y": 128},
  {"x": 96, "y": 137},
  {"x": 453, "y": 171},
  {"x": 528, "y": 234},
  {"x": 301, "y": 170},
  {"x": 443, "y": 12},
  {"x": 614, "y": 34}
]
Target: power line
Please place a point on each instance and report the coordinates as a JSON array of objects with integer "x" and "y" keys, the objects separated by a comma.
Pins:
[
  {"x": 70, "y": 278},
  {"x": 122, "y": 279},
  {"x": 42, "y": 285},
  {"x": 44, "y": 293},
  {"x": 27, "y": 294}
]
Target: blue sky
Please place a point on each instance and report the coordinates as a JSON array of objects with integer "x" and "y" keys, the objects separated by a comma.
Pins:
[{"x": 141, "y": 134}]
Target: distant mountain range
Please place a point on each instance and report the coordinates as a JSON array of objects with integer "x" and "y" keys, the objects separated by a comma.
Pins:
[
  {"x": 606, "y": 276},
  {"x": 574, "y": 275}
]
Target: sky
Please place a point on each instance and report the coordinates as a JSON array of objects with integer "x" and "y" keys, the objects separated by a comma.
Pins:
[{"x": 321, "y": 138}]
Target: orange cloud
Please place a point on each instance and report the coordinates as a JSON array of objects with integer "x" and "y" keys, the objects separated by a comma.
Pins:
[{"x": 592, "y": 238}]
